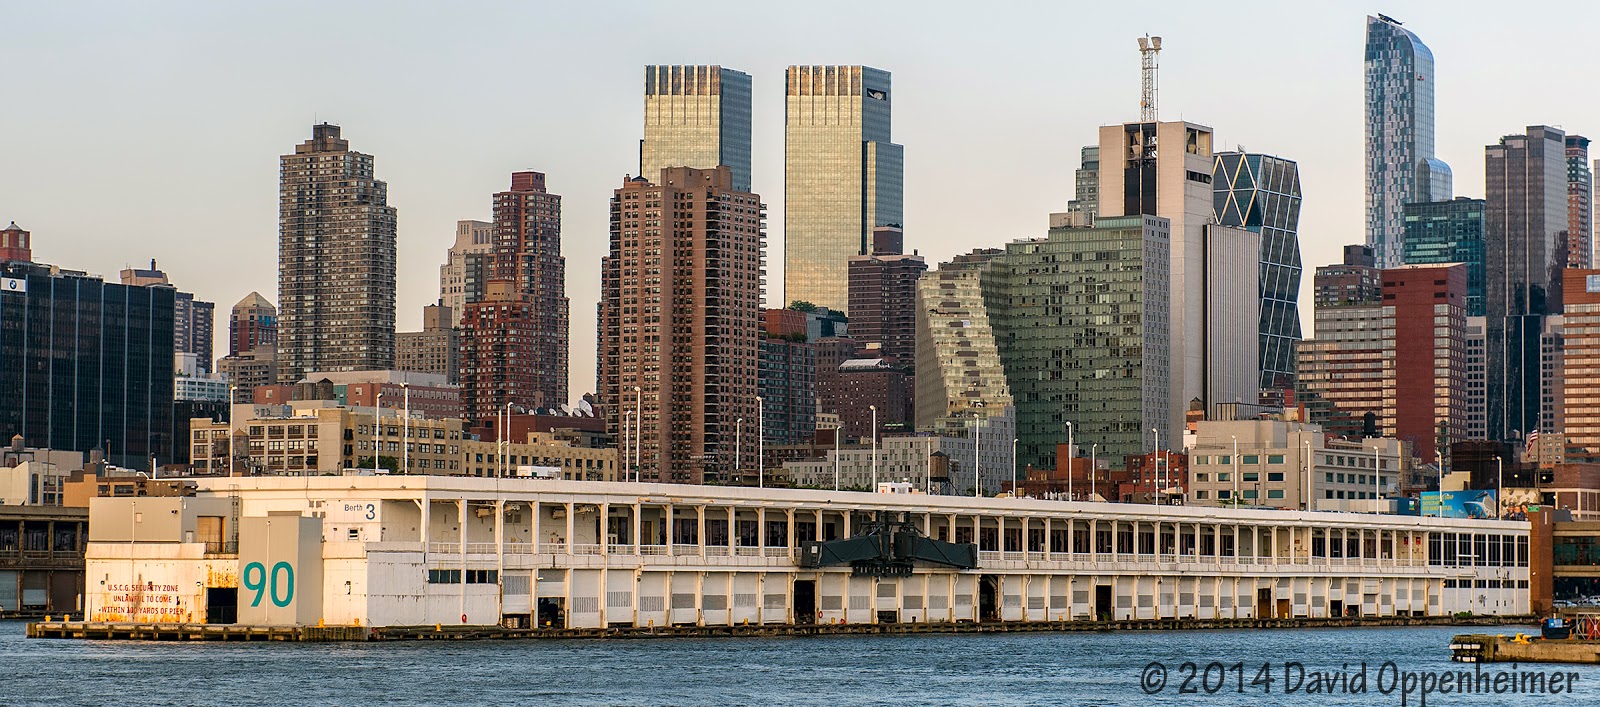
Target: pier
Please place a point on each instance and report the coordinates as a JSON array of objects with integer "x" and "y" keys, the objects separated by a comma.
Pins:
[{"x": 96, "y": 630}]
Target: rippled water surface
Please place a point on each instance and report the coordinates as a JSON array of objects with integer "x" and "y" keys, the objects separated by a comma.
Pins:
[{"x": 1034, "y": 668}]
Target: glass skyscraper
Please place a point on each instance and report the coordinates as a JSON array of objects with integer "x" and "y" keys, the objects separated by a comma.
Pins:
[
  {"x": 1262, "y": 193},
  {"x": 1400, "y": 164},
  {"x": 85, "y": 363},
  {"x": 1080, "y": 319},
  {"x": 696, "y": 116},
  {"x": 1450, "y": 232},
  {"x": 842, "y": 177}
]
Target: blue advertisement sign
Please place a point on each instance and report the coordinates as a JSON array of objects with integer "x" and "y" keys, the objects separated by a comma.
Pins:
[{"x": 1459, "y": 504}]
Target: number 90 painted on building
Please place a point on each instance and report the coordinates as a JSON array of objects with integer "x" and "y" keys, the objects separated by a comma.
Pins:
[{"x": 255, "y": 579}]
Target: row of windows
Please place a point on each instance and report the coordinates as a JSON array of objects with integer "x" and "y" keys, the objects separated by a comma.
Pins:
[{"x": 454, "y": 576}]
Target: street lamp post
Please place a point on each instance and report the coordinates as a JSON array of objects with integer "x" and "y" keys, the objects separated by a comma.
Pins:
[
  {"x": 874, "y": 410},
  {"x": 738, "y": 447},
  {"x": 232, "y": 400},
  {"x": 1155, "y": 475},
  {"x": 1235, "y": 470},
  {"x": 1377, "y": 477},
  {"x": 1310, "y": 497},
  {"x": 761, "y": 443},
  {"x": 1499, "y": 482},
  {"x": 505, "y": 464},
  {"x": 1094, "y": 469},
  {"x": 1013, "y": 458},
  {"x": 837, "y": 433},
  {"x": 638, "y": 438},
  {"x": 377, "y": 428},
  {"x": 627, "y": 452},
  {"x": 1072, "y": 456},
  {"x": 405, "y": 434},
  {"x": 977, "y": 442}
]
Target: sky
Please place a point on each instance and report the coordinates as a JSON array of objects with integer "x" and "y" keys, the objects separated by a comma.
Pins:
[{"x": 152, "y": 130}]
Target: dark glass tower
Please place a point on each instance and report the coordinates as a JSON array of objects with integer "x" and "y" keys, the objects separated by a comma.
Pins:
[
  {"x": 1261, "y": 193},
  {"x": 1450, "y": 232},
  {"x": 1526, "y": 184},
  {"x": 85, "y": 364},
  {"x": 1400, "y": 164}
]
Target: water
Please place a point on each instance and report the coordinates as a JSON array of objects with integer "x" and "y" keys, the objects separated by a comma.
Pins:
[{"x": 1038, "y": 668}]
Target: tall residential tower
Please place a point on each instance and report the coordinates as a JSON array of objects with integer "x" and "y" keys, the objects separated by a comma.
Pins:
[
  {"x": 1400, "y": 164},
  {"x": 842, "y": 177},
  {"x": 336, "y": 260}
]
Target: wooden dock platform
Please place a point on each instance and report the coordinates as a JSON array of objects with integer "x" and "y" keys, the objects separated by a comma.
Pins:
[
  {"x": 1529, "y": 648},
  {"x": 93, "y": 630}
]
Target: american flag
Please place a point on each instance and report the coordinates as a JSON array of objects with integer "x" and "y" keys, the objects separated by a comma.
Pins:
[{"x": 1533, "y": 438}]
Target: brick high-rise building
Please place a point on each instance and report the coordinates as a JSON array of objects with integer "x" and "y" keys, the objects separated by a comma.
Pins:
[
  {"x": 1425, "y": 355},
  {"x": 253, "y": 322},
  {"x": 432, "y": 350},
  {"x": 468, "y": 266},
  {"x": 514, "y": 339},
  {"x": 527, "y": 253},
  {"x": 1581, "y": 358},
  {"x": 1339, "y": 372},
  {"x": 193, "y": 320},
  {"x": 1580, "y": 213},
  {"x": 680, "y": 318},
  {"x": 883, "y": 293},
  {"x": 336, "y": 260}
]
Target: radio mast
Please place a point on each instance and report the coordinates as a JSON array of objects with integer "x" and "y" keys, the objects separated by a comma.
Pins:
[{"x": 1149, "y": 60}]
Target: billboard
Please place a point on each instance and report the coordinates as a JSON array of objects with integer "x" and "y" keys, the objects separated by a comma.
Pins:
[{"x": 1459, "y": 504}]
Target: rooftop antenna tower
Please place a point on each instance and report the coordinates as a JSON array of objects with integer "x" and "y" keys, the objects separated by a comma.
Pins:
[{"x": 1149, "y": 63}]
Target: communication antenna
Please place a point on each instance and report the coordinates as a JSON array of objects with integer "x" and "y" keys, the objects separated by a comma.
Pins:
[{"x": 1149, "y": 63}]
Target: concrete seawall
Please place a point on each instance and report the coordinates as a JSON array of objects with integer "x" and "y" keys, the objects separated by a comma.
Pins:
[{"x": 90, "y": 630}]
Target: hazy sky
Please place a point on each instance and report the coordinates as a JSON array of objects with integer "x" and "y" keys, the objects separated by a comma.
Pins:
[{"x": 132, "y": 131}]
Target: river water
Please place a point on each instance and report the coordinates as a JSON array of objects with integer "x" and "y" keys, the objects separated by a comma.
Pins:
[{"x": 1031, "y": 668}]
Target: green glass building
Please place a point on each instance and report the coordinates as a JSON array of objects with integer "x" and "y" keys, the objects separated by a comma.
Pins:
[
  {"x": 1081, "y": 318},
  {"x": 1450, "y": 232}
]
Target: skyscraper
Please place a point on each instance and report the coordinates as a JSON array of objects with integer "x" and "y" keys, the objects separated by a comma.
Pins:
[
  {"x": 1400, "y": 164},
  {"x": 336, "y": 260},
  {"x": 1215, "y": 296},
  {"x": 527, "y": 253},
  {"x": 842, "y": 176},
  {"x": 468, "y": 266},
  {"x": 696, "y": 116},
  {"x": 1526, "y": 184},
  {"x": 1450, "y": 232},
  {"x": 679, "y": 319},
  {"x": 1261, "y": 193},
  {"x": 1086, "y": 183},
  {"x": 787, "y": 382},
  {"x": 959, "y": 375},
  {"x": 1339, "y": 372},
  {"x": 1080, "y": 320},
  {"x": 1424, "y": 355},
  {"x": 86, "y": 364},
  {"x": 1581, "y": 369},
  {"x": 193, "y": 320},
  {"x": 1580, "y": 215},
  {"x": 883, "y": 293}
]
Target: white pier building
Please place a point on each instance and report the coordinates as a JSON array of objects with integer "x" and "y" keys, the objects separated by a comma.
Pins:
[{"x": 425, "y": 550}]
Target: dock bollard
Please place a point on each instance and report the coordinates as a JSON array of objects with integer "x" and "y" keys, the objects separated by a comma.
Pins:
[{"x": 438, "y": 627}]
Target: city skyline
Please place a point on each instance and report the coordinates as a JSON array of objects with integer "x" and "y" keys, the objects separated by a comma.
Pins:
[{"x": 235, "y": 130}]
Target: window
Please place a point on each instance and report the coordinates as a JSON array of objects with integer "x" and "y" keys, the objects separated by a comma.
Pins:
[
  {"x": 1250, "y": 459},
  {"x": 1252, "y": 476},
  {"x": 1224, "y": 460},
  {"x": 1274, "y": 476},
  {"x": 482, "y": 576},
  {"x": 444, "y": 576},
  {"x": 1274, "y": 458},
  {"x": 1249, "y": 494},
  {"x": 1275, "y": 493},
  {"x": 1224, "y": 476}
]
